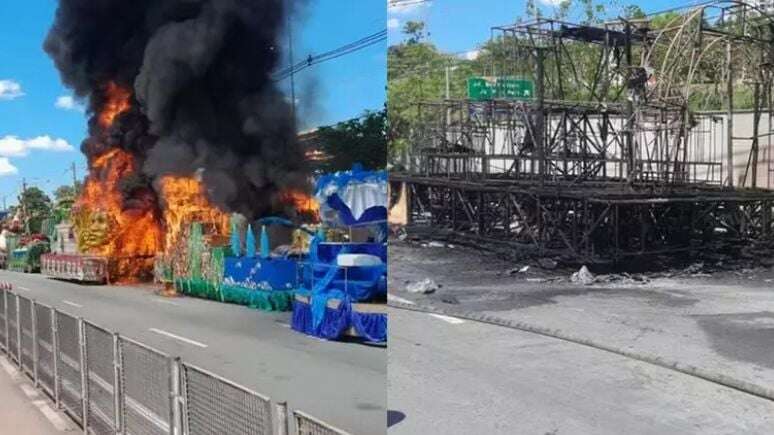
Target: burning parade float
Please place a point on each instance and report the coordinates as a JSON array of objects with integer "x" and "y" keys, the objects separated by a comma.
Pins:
[
  {"x": 197, "y": 178},
  {"x": 129, "y": 231}
]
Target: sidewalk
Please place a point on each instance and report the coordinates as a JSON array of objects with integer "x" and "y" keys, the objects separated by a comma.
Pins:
[{"x": 25, "y": 410}]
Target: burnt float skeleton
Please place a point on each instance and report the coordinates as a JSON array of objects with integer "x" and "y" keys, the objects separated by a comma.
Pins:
[{"x": 607, "y": 160}]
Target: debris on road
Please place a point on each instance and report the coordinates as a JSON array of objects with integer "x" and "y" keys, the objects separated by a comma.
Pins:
[
  {"x": 450, "y": 300},
  {"x": 583, "y": 276},
  {"x": 518, "y": 269},
  {"x": 548, "y": 263},
  {"x": 424, "y": 286}
]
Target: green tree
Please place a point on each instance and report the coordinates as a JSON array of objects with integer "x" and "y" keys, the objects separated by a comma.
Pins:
[
  {"x": 360, "y": 140},
  {"x": 64, "y": 198},
  {"x": 36, "y": 206},
  {"x": 67, "y": 192},
  {"x": 415, "y": 31}
]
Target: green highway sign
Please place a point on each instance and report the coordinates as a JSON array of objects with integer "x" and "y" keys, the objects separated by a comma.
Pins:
[{"x": 510, "y": 88}]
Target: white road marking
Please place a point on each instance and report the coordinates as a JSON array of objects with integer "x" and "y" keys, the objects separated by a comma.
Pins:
[
  {"x": 72, "y": 304},
  {"x": 23, "y": 288},
  {"x": 177, "y": 337},
  {"x": 399, "y": 299},
  {"x": 162, "y": 301},
  {"x": 452, "y": 320}
]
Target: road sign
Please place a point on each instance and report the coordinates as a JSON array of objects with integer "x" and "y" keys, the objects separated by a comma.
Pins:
[{"x": 509, "y": 88}]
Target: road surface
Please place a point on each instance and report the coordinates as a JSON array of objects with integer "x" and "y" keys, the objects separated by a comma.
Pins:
[
  {"x": 24, "y": 410},
  {"x": 721, "y": 323},
  {"x": 449, "y": 376},
  {"x": 340, "y": 383}
]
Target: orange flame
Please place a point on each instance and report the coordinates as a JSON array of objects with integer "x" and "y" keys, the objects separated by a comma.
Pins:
[
  {"x": 130, "y": 232},
  {"x": 130, "y": 237},
  {"x": 302, "y": 202},
  {"x": 184, "y": 202},
  {"x": 118, "y": 102}
]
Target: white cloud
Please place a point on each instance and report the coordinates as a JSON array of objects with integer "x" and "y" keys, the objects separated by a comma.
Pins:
[
  {"x": 553, "y": 3},
  {"x": 67, "y": 102},
  {"x": 12, "y": 146},
  {"x": 393, "y": 23},
  {"x": 405, "y": 7},
  {"x": 10, "y": 90},
  {"x": 6, "y": 168}
]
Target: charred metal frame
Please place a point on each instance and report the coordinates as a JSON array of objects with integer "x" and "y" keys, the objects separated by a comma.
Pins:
[{"x": 626, "y": 169}]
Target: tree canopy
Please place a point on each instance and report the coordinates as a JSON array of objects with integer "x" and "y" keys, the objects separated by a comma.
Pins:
[
  {"x": 360, "y": 140},
  {"x": 36, "y": 206}
]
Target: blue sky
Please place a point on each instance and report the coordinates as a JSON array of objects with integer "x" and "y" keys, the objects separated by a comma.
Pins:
[
  {"x": 461, "y": 25},
  {"x": 39, "y": 141}
]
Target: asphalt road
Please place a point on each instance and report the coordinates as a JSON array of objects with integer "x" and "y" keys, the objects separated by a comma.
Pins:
[
  {"x": 722, "y": 324},
  {"x": 340, "y": 383},
  {"x": 460, "y": 377}
]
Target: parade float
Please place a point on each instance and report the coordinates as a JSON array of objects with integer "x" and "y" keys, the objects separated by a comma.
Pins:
[
  {"x": 26, "y": 256},
  {"x": 256, "y": 271},
  {"x": 64, "y": 260},
  {"x": 344, "y": 278}
]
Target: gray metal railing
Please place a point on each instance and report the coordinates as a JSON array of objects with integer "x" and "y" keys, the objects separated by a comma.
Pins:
[
  {"x": 145, "y": 403},
  {"x": 216, "y": 405},
  {"x": 308, "y": 425},
  {"x": 110, "y": 384},
  {"x": 3, "y": 323},
  {"x": 13, "y": 330}
]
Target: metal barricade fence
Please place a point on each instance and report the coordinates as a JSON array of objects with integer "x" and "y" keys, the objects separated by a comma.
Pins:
[
  {"x": 111, "y": 384},
  {"x": 100, "y": 379},
  {"x": 3, "y": 323},
  {"x": 26, "y": 342},
  {"x": 214, "y": 405},
  {"x": 68, "y": 364},
  {"x": 44, "y": 348},
  {"x": 308, "y": 425},
  {"x": 146, "y": 405},
  {"x": 13, "y": 327}
]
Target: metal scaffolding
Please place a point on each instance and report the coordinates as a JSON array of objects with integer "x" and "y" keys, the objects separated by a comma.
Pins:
[{"x": 611, "y": 156}]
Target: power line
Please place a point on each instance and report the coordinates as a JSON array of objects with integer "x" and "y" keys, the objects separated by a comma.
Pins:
[
  {"x": 332, "y": 54},
  {"x": 351, "y": 47}
]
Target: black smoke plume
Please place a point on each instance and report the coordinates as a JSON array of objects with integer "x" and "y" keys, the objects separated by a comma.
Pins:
[{"x": 203, "y": 99}]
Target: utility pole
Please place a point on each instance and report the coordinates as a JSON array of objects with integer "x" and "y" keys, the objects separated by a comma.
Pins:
[
  {"x": 23, "y": 204},
  {"x": 292, "y": 73},
  {"x": 448, "y": 93},
  {"x": 75, "y": 179}
]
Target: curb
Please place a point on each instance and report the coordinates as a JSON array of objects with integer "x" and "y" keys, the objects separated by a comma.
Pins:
[{"x": 690, "y": 370}]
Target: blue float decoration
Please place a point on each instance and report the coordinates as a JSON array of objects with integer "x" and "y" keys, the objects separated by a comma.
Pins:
[
  {"x": 236, "y": 241},
  {"x": 265, "y": 251},
  {"x": 334, "y": 322},
  {"x": 250, "y": 242},
  {"x": 260, "y": 273}
]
